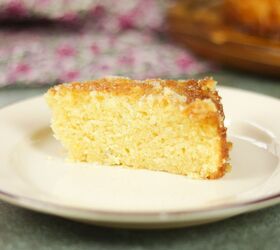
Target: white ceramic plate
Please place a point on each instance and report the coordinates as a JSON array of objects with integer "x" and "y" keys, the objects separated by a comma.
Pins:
[{"x": 35, "y": 175}]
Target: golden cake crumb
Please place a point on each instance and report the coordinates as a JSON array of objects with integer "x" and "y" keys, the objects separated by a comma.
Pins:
[{"x": 165, "y": 125}]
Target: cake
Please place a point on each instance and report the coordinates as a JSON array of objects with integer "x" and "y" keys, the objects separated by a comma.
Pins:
[
  {"x": 258, "y": 16},
  {"x": 161, "y": 125}
]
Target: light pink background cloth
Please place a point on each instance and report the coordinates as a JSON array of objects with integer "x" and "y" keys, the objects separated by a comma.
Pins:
[{"x": 68, "y": 40}]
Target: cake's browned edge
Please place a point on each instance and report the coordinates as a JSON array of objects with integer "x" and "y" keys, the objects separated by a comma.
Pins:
[{"x": 191, "y": 89}]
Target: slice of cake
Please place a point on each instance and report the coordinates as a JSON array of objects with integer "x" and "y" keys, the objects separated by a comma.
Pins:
[{"x": 165, "y": 125}]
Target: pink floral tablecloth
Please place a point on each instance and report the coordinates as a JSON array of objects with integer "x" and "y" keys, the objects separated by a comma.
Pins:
[{"x": 50, "y": 41}]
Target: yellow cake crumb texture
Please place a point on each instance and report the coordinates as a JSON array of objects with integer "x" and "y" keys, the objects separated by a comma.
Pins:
[{"x": 165, "y": 125}]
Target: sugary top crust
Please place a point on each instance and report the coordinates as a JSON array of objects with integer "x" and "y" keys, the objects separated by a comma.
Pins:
[{"x": 191, "y": 89}]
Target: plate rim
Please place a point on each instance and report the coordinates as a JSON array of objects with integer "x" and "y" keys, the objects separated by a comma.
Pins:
[{"x": 49, "y": 207}]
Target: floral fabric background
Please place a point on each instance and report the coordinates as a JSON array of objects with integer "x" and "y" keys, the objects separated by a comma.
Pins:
[{"x": 50, "y": 41}]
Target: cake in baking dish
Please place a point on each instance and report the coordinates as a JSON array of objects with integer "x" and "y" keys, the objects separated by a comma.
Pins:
[
  {"x": 165, "y": 125},
  {"x": 259, "y": 16}
]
